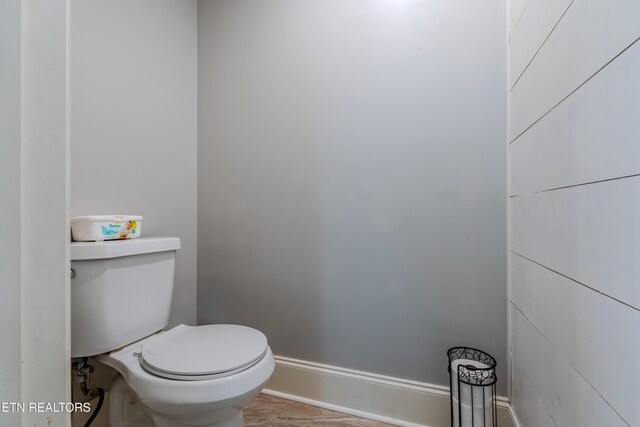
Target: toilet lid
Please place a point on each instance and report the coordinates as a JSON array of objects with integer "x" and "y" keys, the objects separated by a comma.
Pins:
[{"x": 202, "y": 352}]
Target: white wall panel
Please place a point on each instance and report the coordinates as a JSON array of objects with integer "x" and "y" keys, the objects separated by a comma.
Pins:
[
  {"x": 534, "y": 27},
  {"x": 589, "y": 233},
  {"x": 574, "y": 210},
  {"x": 590, "y": 34},
  {"x": 591, "y": 136},
  {"x": 516, "y": 8},
  {"x": 10, "y": 41},
  {"x": 600, "y": 337},
  {"x": 570, "y": 400},
  {"x": 531, "y": 412},
  {"x": 44, "y": 228}
]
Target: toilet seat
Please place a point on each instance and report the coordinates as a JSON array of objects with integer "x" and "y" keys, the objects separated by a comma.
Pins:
[{"x": 195, "y": 353}]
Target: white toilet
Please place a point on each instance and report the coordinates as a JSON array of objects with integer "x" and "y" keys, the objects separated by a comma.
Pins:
[{"x": 186, "y": 376}]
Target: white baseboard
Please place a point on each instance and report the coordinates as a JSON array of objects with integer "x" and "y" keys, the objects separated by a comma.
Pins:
[
  {"x": 391, "y": 400},
  {"x": 515, "y": 421}
]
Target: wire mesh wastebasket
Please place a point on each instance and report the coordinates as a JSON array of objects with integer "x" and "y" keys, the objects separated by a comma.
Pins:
[{"x": 472, "y": 380}]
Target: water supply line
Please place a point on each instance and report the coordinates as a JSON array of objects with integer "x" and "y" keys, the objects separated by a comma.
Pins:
[{"x": 83, "y": 376}]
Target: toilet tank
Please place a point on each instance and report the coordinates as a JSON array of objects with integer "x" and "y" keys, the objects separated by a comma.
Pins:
[{"x": 120, "y": 292}]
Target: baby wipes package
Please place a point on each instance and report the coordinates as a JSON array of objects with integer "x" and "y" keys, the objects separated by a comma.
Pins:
[{"x": 97, "y": 228}]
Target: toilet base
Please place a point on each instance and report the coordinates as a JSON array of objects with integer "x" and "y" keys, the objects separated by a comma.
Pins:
[{"x": 125, "y": 410}]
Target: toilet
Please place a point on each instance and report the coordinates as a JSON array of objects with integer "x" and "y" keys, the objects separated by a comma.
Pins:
[{"x": 121, "y": 294}]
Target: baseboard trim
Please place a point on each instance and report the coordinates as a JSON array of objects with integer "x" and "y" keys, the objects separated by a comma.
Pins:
[
  {"x": 514, "y": 416},
  {"x": 378, "y": 397}
]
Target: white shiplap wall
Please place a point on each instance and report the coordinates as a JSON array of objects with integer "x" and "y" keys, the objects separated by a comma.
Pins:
[{"x": 574, "y": 154}]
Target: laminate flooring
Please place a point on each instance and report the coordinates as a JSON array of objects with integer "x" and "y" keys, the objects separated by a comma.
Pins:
[{"x": 270, "y": 411}]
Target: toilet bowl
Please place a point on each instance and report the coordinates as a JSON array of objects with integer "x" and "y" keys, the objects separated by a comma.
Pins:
[
  {"x": 191, "y": 376},
  {"x": 185, "y": 376}
]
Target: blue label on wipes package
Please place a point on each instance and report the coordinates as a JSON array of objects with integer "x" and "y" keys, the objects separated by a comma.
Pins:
[
  {"x": 112, "y": 230},
  {"x": 124, "y": 230}
]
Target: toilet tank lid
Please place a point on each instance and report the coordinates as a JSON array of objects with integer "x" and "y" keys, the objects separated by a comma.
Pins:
[{"x": 119, "y": 248}]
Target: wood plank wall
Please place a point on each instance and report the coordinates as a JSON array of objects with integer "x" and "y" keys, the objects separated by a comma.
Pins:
[{"x": 574, "y": 159}]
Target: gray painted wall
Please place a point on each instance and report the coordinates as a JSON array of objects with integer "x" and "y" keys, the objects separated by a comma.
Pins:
[
  {"x": 351, "y": 179},
  {"x": 133, "y": 122}
]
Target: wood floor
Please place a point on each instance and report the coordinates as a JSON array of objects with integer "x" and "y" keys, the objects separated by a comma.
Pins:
[{"x": 270, "y": 411}]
